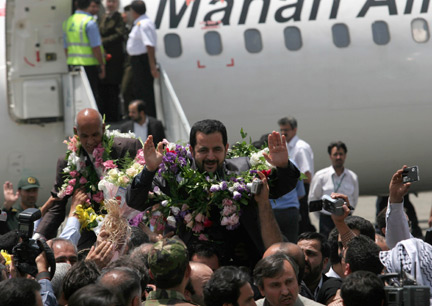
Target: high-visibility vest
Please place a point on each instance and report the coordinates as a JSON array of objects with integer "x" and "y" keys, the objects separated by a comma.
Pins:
[{"x": 78, "y": 44}]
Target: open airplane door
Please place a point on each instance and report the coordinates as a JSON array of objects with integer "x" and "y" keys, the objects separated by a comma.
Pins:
[{"x": 40, "y": 88}]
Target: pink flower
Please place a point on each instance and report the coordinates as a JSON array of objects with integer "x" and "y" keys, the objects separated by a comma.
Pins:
[
  {"x": 184, "y": 207},
  {"x": 198, "y": 227},
  {"x": 140, "y": 157},
  {"x": 199, "y": 217},
  {"x": 69, "y": 190},
  {"x": 72, "y": 144},
  {"x": 228, "y": 210},
  {"x": 82, "y": 180},
  {"x": 224, "y": 221},
  {"x": 227, "y": 201},
  {"x": 72, "y": 182},
  {"x": 188, "y": 218},
  {"x": 98, "y": 151},
  {"x": 202, "y": 237},
  {"x": 73, "y": 173},
  {"x": 98, "y": 197},
  {"x": 82, "y": 164},
  {"x": 109, "y": 164},
  {"x": 234, "y": 219},
  {"x": 190, "y": 224}
]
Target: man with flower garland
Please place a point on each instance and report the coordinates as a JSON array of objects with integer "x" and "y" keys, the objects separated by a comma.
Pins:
[
  {"x": 257, "y": 228},
  {"x": 92, "y": 139}
]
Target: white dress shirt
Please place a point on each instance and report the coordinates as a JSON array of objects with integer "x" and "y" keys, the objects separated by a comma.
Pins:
[
  {"x": 301, "y": 152},
  {"x": 141, "y": 131},
  {"x": 326, "y": 181},
  {"x": 143, "y": 34}
]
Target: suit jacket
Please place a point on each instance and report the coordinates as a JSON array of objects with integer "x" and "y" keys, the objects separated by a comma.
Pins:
[
  {"x": 284, "y": 179},
  {"x": 155, "y": 128},
  {"x": 56, "y": 214}
]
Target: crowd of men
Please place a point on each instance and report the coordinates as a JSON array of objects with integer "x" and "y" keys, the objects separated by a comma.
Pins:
[{"x": 254, "y": 264}]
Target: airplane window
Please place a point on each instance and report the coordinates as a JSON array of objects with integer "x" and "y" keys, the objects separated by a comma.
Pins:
[
  {"x": 213, "y": 43},
  {"x": 173, "y": 46},
  {"x": 293, "y": 40},
  {"x": 341, "y": 37},
  {"x": 420, "y": 30},
  {"x": 380, "y": 32},
  {"x": 253, "y": 41}
]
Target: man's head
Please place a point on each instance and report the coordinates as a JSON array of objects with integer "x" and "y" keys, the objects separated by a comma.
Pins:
[
  {"x": 169, "y": 263},
  {"x": 200, "y": 275},
  {"x": 94, "y": 7},
  {"x": 316, "y": 252},
  {"x": 290, "y": 249},
  {"x": 111, "y": 5},
  {"x": 277, "y": 279},
  {"x": 138, "y": 8},
  {"x": 363, "y": 288},
  {"x": 209, "y": 144},
  {"x": 90, "y": 128},
  {"x": 337, "y": 152},
  {"x": 288, "y": 127},
  {"x": 229, "y": 286},
  {"x": 88, "y": 5},
  {"x": 137, "y": 111},
  {"x": 20, "y": 291},
  {"x": 125, "y": 283},
  {"x": 93, "y": 295},
  {"x": 80, "y": 275},
  {"x": 64, "y": 251},
  {"x": 205, "y": 253},
  {"x": 362, "y": 253},
  {"x": 28, "y": 188}
]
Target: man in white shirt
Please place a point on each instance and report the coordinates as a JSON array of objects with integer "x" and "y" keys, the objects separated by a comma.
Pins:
[
  {"x": 301, "y": 153},
  {"x": 335, "y": 178},
  {"x": 141, "y": 47}
]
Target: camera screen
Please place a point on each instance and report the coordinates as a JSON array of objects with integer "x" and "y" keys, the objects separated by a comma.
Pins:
[{"x": 23, "y": 227}]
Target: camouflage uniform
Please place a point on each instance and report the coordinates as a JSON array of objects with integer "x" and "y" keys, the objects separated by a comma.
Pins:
[{"x": 165, "y": 297}]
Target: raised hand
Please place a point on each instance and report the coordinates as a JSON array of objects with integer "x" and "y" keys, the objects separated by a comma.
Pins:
[
  {"x": 9, "y": 195},
  {"x": 278, "y": 152},
  {"x": 152, "y": 156},
  {"x": 102, "y": 254},
  {"x": 397, "y": 188}
]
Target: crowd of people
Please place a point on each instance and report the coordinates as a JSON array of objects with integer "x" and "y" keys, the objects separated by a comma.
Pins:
[{"x": 252, "y": 263}]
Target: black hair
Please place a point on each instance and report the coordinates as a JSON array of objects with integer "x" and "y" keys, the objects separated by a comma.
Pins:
[
  {"x": 338, "y": 145},
  {"x": 325, "y": 248},
  {"x": 138, "y": 7},
  {"x": 288, "y": 120},
  {"x": 208, "y": 126},
  {"x": 224, "y": 286},
  {"x": 363, "y": 288},
  {"x": 381, "y": 220},
  {"x": 272, "y": 266},
  {"x": 81, "y": 274},
  {"x": 135, "y": 263},
  {"x": 138, "y": 237},
  {"x": 124, "y": 285},
  {"x": 83, "y": 4},
  {"x": 203, "y": 249},
  {"x": 365, "y": 227},
  {"x": 363, "y": 254},
  {"x": 335, "y": 257},
  {"x": 93, "y": 295},
  {"x": 19, "y": 291}
]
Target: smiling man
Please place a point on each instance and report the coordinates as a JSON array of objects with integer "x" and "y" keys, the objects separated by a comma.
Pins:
[{"x": 208, "y": 145}]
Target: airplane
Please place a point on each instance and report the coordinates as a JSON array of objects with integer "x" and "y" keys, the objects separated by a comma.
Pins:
[{"x": 355, "y": 71}]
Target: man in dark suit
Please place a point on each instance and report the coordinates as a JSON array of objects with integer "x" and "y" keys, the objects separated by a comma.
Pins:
[
  {"x": 209, "y": 145},
  {"x": 143, "y": 125},
  {"x": 90, "y": 130}
]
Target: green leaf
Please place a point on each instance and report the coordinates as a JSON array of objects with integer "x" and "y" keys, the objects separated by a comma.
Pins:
[
  {"x": 303, "y": 176},
  {"x": 243, "y": 134}
]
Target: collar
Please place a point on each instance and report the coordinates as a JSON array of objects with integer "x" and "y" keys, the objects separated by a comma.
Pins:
[
  {"x": 318, "y": 288},
  {"x": 82, "y": 12},
  {"x": 332, "y": 171},
  {"x": 293, "y": 142},
  {"x": 143, "y": 16},
  {"x": 165, "y": 294},
  {"x": 146, "y": 122}
]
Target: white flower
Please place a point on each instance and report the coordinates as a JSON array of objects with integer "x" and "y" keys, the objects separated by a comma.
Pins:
[
  {"x": 172, "y": 146},
  {"x": 175, "y": 210},
  {"x": 171, "y": 221},
  {"x": 66, "y": 170},
  {"x": 132, "y": 172},
  {"x": 164, "y": 203},
  {"x": 73, "y": 159}
]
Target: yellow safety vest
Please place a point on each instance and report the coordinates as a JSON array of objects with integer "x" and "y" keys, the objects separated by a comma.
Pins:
[{"x": 78, "y": 44}]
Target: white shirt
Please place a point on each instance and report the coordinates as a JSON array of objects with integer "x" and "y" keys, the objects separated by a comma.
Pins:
[
  {"x": 326, "y": 181},
  {"x": 301, "y": 152},
  {"x": 141, "y": 131},
  {"x": 143, "y": 34},
  {"x": 332, "y": 273}
]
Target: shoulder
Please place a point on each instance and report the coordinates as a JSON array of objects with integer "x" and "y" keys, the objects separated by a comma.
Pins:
[
  {"x": 237, "y": 164},
  {"x": 351, "y": 173},
  {"x": 322, "y": 172},
  {"x": 126, "y": 125},
  {"x": 260, "y": 302},
  {"x": 305, "y": 301},
  {"x": 303, "y": 144},
  {"x": 153, "y": 120}
]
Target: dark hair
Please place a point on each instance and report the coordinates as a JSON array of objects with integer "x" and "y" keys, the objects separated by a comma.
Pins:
[
  {"x": 83, "y": 4},
  {"x": 338, "y": 145},
  {"x": 124, "y": 285},
  {"x": 262, "y": 142},
  {"x": 138, "y": 7},
  {"x": 208, "y": 126},
  {"x": 363, "y": 254},
  {"x": 137, "y": 263},
  {"x": 288, "y": 120},
  {"x": 325, "y": 248},
  {"x": 9, "y": 240},
  {"x": 224, "y": 286},
  {"x": 272, "y": 266},
  {"x": 381, "y": 220},
  {"x": 141, "y": 105},
  {"x": 203, "y": 249},
  {"x": 365, "y": 227},
  {"x": 127, "y": 8},
  {"x": 93, "y": 295},
  {"x": 363, "y": 288},
  {"x": 18, "y": 291},
  {"x": 333, "y": 242},
  {"x": 81, "y": 274},
  {"x": 137, "y": 238}
]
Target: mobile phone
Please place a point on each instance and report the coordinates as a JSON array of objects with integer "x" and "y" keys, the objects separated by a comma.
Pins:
[{"x": 410, "y": 174}]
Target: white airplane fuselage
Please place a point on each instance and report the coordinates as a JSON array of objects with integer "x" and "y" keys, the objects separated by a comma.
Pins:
[{"x": 375, "y": 98}]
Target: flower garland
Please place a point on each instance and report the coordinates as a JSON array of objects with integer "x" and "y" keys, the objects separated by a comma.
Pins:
[
  {"x": 193, "y": 194},
  {"x": 93, "y": 177}
]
